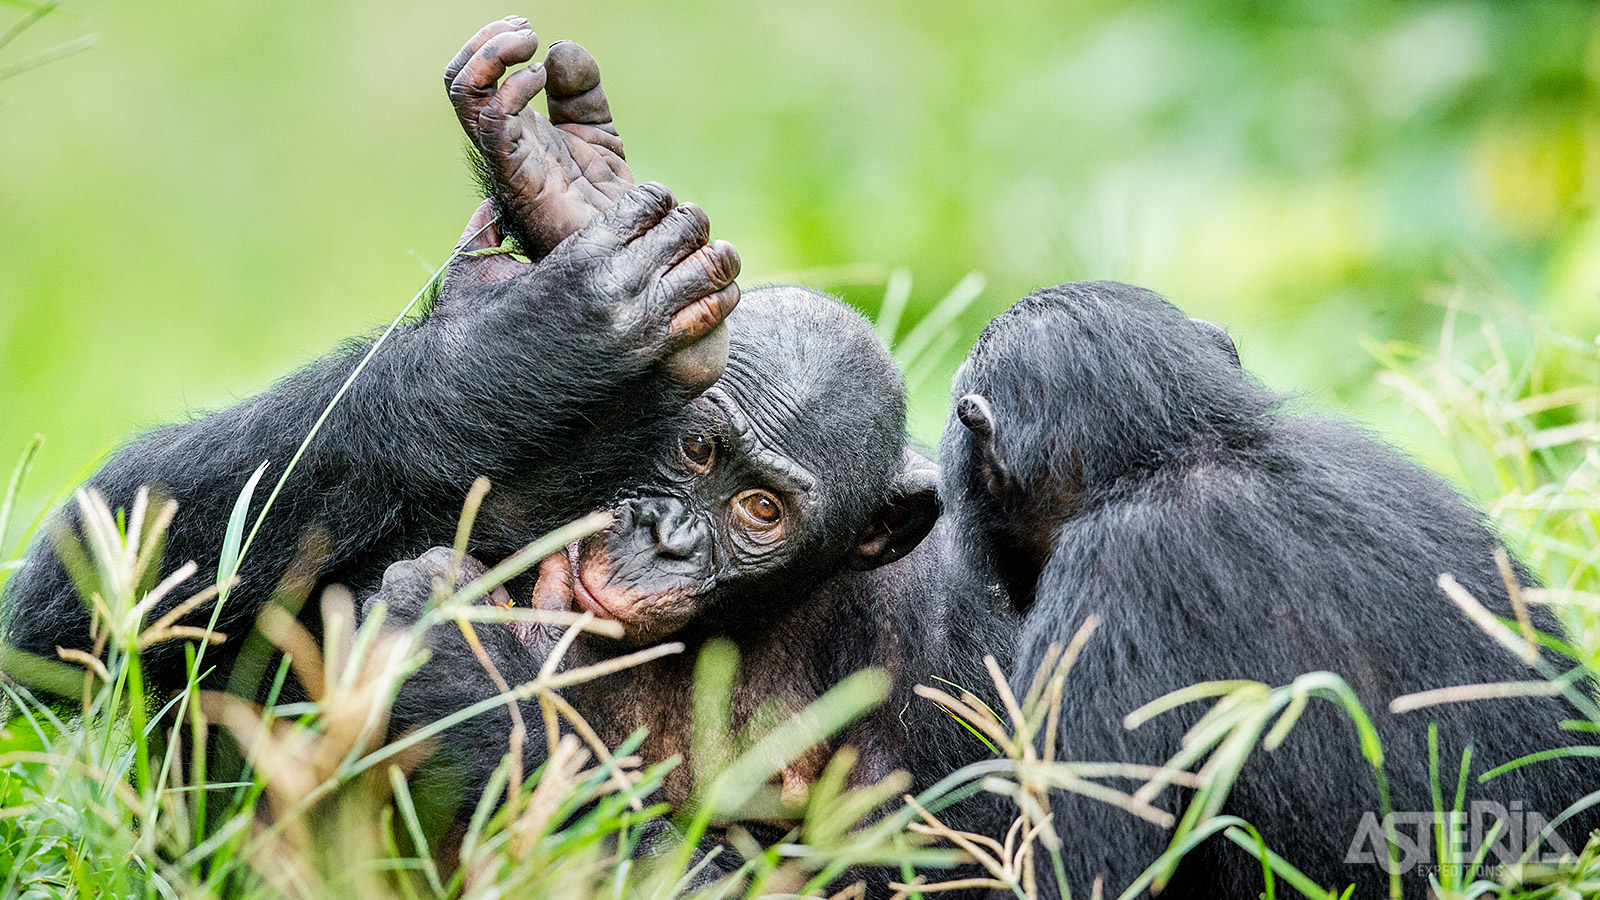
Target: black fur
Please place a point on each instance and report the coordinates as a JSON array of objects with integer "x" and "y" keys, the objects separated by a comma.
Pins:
[
  {"x": 502, "y": 379},
  {"x": 1134, "y": 471}
]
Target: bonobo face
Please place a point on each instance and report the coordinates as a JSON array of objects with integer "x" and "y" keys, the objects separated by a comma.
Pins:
[{"x": 784, "y": 471}]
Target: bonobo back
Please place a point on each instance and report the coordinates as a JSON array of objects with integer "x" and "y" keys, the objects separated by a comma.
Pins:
[{"x": 1110, "y": 457}]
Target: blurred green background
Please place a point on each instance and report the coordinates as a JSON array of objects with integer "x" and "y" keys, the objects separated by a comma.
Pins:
[{"x": 218, "y": 191}]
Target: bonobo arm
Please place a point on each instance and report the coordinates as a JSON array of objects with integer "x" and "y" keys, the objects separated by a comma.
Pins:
[
  {"x": 453, "y": 678},
  {"x": 502, "y": 379}
]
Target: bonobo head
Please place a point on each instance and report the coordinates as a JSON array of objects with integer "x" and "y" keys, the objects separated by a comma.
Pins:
[
  {"x": 1077, "y": 393},
  {"x": 787, "y": 469}
]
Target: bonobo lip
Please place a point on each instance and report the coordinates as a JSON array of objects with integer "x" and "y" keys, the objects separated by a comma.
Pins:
[{"x": 580, "y": 591}]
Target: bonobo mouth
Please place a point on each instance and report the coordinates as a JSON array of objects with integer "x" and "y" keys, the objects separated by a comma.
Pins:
[
  {"x": 580, "y": 591},
  {"x": 584, "y": 577}
]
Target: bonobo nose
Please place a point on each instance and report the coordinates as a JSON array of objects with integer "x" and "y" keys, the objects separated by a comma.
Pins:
[{"x": 677, "y": 533}]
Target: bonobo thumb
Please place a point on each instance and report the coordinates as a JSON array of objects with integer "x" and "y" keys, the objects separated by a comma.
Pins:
[
  {"x": 478, "y": 259},
  {"x": 698, "y": 366}
]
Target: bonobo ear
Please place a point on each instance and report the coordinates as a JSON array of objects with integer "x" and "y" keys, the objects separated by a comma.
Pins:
[
  {"x": 905, "y": 518},
  {"x": 975, "y": 412},
  {"x": 1218, "y": 335}
]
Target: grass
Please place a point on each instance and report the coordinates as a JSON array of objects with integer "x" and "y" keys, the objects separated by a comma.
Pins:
[{"x": 109, "y": 796}]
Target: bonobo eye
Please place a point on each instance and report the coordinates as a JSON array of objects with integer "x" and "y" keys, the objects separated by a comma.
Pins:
[
  {"x": 758, "y": 509},
  {"x": 699, "y": 451}
]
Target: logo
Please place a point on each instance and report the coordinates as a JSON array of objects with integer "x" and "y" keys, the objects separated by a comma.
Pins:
[{"x": 1512, "y": 835}]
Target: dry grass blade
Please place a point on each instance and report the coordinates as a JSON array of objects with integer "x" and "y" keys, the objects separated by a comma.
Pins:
[
  {"x": 607, "y": 667},
  {"x": 87, "y": 660},
  {"x": 1041, "y": 677},
  {"x": 1060, "y": 776},
  {"x": 972, "y": 843},
  {"x": 620, "y": 779},
  {"x": 561, "y": 770},
  {"x": 960, "y": 884},
  {"x": 1468, "y": 692},
  {"x": 469, "y": 517},
  {"x": 1481, "y": 616},
  {"x": 305, "y": 656},
  {"x": 154, "y": 535},
  {"x": 165, "y": 628},
  {"x": 1519, "y": 606},
  {"x": 178, "y": 576},
  {"x": 519, "y": 729},
  {"x": 978, "y": 717},
  {"x": 1008, "y": 699}
]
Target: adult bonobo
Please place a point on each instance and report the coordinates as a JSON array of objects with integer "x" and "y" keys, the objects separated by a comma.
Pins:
[
  {"x": 556, "y": 381},
  {"x": 1108, "y": 456}
]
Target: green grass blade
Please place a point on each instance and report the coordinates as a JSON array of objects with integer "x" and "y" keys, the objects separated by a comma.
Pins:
[
  {"x": 14, "y": 487},
  {"x": 228, "y": 565},
  {"x": 49, "y": 56},
  {"x": 923, "y": 334},
  {"x": 895, "y": 295},
  {"x": 28, "y": 21},
  {"x": 419, "y": 840}
]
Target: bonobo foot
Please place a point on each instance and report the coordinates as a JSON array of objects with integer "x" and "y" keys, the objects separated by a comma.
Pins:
[{"x": 552, "y": 175}]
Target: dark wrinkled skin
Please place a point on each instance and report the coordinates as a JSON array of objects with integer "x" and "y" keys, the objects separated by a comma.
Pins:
[
  {"x": 1107, "y": 456},
  {"x": 501, "y": 379},
  {"x": 554, "y": 174}
]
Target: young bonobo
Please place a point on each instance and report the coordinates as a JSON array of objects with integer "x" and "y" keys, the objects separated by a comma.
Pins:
[
  {"x": 556, "y": 381},
  {"x": 787, "y": 473},
  {"x": 1108, "y": 456},
  {"x": 763, "y": 516}
]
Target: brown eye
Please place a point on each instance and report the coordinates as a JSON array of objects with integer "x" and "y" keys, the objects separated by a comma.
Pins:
[
  {"x": 759, "y": 507},
  {"x": 698, "y": 451}
]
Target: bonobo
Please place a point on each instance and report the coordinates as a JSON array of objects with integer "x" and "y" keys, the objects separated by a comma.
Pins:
[
  {"x": 501, "y": 379},
  {"x": 785, "y": 484},
  {"x": 1108, "y": 456},
  {"x": 780, "y": 511}
]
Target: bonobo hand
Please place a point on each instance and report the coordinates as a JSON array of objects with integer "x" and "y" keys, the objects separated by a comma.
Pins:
[
  {"x": 553, "y": 175},
  {"x": 642, "y": 275},
  {"x": 410, "y": 584}
]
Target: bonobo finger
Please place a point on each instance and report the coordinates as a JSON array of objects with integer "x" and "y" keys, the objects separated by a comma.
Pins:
[
  {"x": 704, "y": 272},
  {"x": 681, "y": 232},
  {"x": 498, "y": 26},
  {"x": 575, "y": 92},
  {"x": 409, "y": 585},
  {"x": 483, "y": 233},
  {"x": 472, "y": 87},
  {"x": 593, "y": 134},
  {"x": 553, "y": 589},
  {"x": 483, "y": 229},
  {"x": 510, "y": 100},
  {"x": 701, "y": 317},
  {"x": 698, "y": 365},
  {"x": 637, "y": 211}
]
